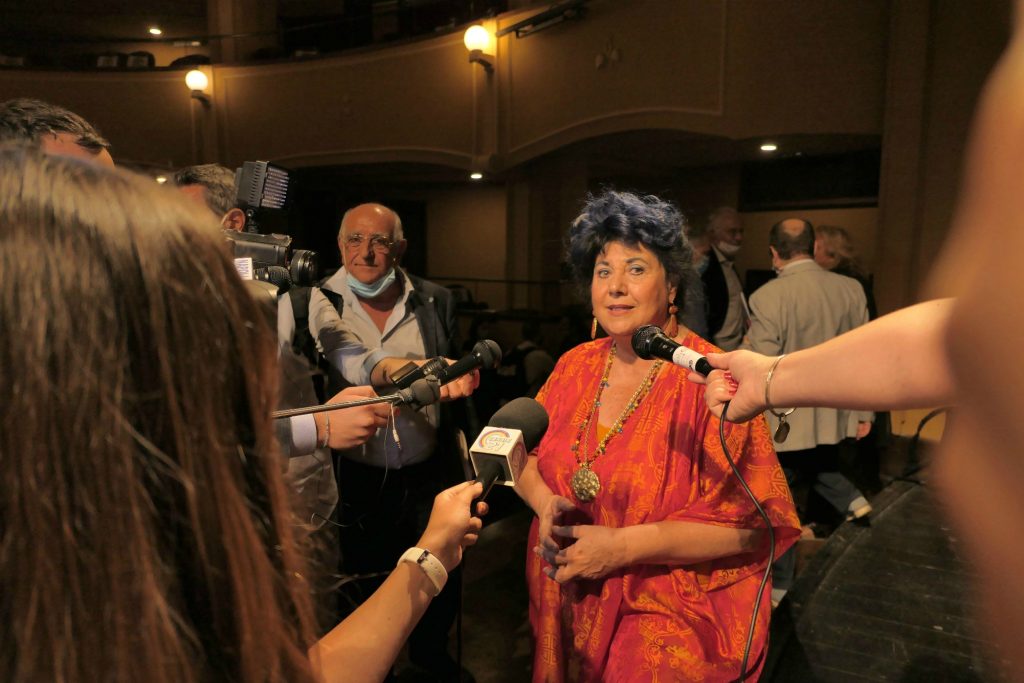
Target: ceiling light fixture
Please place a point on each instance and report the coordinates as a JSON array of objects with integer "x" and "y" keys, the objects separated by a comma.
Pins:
[
  {"x": 769, "y": 147},
  {"x": 476, "y": 176},
  {"x": 154, "y": 31},
  {"x": 161, "y": 179}
]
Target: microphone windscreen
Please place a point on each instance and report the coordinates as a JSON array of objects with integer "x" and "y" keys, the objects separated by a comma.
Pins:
[
  {"x": 642, "y": 339},
  {"x": 489, "y": 353},
  {"x": 526, "y": 415},
  {"x": 424, "y": 392}
]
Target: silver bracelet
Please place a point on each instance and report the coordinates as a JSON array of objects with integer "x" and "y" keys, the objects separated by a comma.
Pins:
[
  {"x": 783, "y": 429},
  {"x": 327, "y": 430}
]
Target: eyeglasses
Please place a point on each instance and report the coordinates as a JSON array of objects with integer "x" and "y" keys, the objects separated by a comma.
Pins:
[{"x": 380, "y": 243}]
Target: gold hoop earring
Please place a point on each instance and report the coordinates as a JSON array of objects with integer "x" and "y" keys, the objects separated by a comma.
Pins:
[
  {"x": 672, "y": 324},
  {"x": 593, "y": 328}
]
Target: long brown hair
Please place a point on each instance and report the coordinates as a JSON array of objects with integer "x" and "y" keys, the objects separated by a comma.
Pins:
[{"x": 144, "y": 524}]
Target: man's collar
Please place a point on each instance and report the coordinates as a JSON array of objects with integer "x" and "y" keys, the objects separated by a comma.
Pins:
[{"x": 799, "y": 263}]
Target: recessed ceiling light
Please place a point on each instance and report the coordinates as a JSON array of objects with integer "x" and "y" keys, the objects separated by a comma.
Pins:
[
  {"x": 154, "y": 31},
  {"x": 476, "y": 176},
  {"x": 161, "y": 179},
  {"x": 769, "y": 147}
]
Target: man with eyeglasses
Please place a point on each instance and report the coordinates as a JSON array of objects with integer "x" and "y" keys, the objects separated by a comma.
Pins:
[{"x": 388, "y": 484}]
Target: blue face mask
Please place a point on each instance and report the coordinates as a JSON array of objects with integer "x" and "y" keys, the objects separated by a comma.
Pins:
[{"x": 372, "y": 290}]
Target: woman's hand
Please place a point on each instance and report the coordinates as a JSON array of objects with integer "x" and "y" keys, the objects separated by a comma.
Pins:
[
  {"x": 596, "y": 552},
  {"x": 550, "y": 514},
  {"x": 740, "y": 378},
  {"x": 452, "y": 527}
]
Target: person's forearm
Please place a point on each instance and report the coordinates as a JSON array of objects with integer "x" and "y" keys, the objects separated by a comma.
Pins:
[
  {"x": 531, "y": 487},
  {"x": 682, "y": 543},
  {"x": 364, "y": 646},
  {"x": 897, "y": 361}
]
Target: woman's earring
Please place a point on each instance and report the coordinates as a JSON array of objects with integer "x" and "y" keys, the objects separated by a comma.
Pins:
[
  {"x": 672, "y": 325},
  {"x": 593, "y": 328}
]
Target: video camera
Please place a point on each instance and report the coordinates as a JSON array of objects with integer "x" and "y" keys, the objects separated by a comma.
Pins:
[{"x": 260, "y": 185}]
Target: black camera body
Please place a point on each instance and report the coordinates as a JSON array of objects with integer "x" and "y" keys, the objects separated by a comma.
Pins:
[
  {"x": 259, "y": 186},
  {"x": 274, "y": 260}
]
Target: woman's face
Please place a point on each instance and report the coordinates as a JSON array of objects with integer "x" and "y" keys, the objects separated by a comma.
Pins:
[{"x": 629, "y": 289}]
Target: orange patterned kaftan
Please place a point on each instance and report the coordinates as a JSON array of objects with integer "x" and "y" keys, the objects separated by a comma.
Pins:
[{"x": 655, "y": 622}]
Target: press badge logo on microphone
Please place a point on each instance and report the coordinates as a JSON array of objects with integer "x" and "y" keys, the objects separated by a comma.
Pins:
[
  {"x": 501, "y": 445},
  {"x": 495, "y": 439}
]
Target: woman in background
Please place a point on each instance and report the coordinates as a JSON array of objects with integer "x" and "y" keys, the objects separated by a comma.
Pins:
[
  {"x": 647, "y": 552},
  {"x": 833, "y": 250},
  {"x": 145, "y": 529}
]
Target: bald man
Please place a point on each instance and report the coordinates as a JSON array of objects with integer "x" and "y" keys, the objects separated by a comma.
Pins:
[
  {"x": 54, "y": 129},
  {"x": 807, "y": 305},
  {"x": 388, "y": 484}
]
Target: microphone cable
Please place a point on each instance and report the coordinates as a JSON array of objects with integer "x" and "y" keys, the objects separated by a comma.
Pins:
[{"x": 771, "y": 544}]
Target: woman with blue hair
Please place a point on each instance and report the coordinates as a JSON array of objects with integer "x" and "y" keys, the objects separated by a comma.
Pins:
[{"x": 647, "y": 553}]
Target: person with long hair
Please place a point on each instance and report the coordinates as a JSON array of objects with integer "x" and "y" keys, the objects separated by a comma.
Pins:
[
  {"x": 145, "y": 528},
  {"x": 647, "y": 553}
]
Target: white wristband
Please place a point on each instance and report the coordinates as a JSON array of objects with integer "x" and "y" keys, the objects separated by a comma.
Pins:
[{"x": 430, "y": 565}]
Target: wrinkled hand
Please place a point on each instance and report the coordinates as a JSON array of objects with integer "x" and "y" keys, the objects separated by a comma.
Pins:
[
  {"x": 595, "y": 553},
  {"x": 460, "y": 387},
  {"x": 353, "y": 426},
  {"x": 451, "y": 527},
  {"x": 739, "y": 379},
  {"x": 549, "y": 516},
  {"x": 863, "y": 429}
]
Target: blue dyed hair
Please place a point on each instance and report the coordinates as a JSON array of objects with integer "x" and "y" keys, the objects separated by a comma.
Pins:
[{"x": 625, "y": 217}]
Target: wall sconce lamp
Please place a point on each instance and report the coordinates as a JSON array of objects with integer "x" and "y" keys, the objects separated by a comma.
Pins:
[
  {"x": 480, "y": 43},
  {"x": 197, "y": 82}
]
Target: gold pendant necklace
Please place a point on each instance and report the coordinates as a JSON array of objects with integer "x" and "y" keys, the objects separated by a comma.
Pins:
[{"x": 585, "y": 483}]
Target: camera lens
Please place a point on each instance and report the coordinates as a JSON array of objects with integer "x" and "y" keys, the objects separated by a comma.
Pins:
[{"x": 305, "y": 267}]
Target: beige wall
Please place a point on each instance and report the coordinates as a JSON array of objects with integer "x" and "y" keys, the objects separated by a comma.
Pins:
[{"x": 466, "y": 230}]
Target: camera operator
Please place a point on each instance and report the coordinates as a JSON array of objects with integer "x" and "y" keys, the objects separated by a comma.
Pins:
[{"x": 214, "y": 186}]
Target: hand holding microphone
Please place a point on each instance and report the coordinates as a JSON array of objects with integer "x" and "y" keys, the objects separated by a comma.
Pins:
[
  {"x": 453, "y": 526},
  {"x": 737, "y": 378},
  {"x": 354, "y": 426},
  {"x": 457, "y": 379}
]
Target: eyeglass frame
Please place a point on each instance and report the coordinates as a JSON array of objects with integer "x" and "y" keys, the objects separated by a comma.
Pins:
[{"x": 382, "y": 244}]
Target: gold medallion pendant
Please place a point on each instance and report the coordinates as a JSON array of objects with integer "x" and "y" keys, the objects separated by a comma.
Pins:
[{"x": 585, "y": 484}]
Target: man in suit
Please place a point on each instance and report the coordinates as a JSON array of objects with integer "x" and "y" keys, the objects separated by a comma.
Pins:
[
  {"x": 388, "y": 484},
  {"x": 807, "y": 305},
  {"x": 726, "y": 314}
]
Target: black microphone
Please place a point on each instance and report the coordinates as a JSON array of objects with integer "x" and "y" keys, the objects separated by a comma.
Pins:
[
  {"x": 650, "y": 342},
  {"x": 485, "y": 354},
  {"x": 499, "y": 453},
  {"x": 422, "y": 392}
]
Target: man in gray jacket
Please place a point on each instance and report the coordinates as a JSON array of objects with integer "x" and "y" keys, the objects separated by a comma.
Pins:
[{"x": 804, "y": 306}]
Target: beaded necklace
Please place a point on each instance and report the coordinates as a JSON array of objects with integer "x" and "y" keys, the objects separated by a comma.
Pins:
[{"x": 585, "y": 483}]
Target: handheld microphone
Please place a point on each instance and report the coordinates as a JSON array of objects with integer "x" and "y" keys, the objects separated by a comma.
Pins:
[
  {"x": 499, "y": 453},
  {"x": 485, "y": 353},
  {"x": 650, "y": 342}
]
